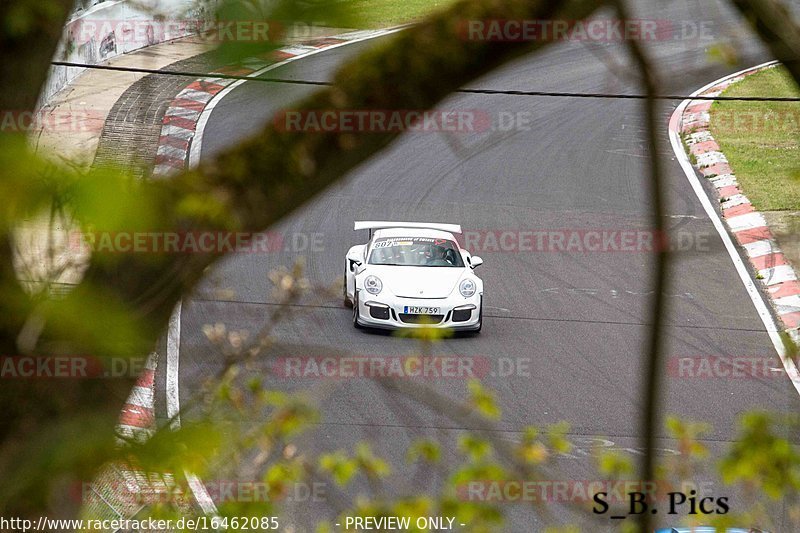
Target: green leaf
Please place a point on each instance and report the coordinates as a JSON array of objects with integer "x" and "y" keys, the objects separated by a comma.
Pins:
[
  {"x": 483, "y": 400},
  {"x": 425, "y": 450},
  {"x": 474, "y": 447},
  {"x": 339, "y": 466}
]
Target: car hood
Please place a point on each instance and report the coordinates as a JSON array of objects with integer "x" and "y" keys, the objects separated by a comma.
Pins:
[{"x": 418, "y": 282}]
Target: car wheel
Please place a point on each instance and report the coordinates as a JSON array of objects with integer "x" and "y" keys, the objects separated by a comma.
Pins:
[
  {"x": 480, "y": 318},
  {"x": 347, "y": 302},
  {"x": 355, "y": 312}
]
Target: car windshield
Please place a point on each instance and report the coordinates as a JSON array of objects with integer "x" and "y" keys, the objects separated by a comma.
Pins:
[{"x": 415, "y": 251}]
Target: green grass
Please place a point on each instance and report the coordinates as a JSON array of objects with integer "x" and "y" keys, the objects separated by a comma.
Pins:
[
  {"x": 385, "y": 13},
  {"x": 762, "y": 139}
]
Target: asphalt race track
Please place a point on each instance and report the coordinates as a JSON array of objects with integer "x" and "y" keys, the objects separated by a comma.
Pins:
[{"x": 577, "y": 320}]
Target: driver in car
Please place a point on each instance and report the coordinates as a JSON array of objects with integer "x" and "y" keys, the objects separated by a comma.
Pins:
[{"x": 438, "y": 256}]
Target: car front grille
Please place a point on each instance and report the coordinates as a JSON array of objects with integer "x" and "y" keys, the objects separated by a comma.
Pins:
[
  {"x": 462, "y": 315},
  {"x": 408, "y": 318},
  {"x": 381, "y": 313}
]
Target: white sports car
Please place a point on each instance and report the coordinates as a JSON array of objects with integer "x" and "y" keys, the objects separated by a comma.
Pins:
[{"x": 413, "y": 275}]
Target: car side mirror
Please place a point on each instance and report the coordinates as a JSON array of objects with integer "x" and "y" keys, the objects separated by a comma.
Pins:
[
  {"x": 476, "y": 261},
  {"x": 355, "y": 256}
]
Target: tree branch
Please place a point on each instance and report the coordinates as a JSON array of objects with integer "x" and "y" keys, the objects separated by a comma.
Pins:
[
  {"x": 28, "y": 42},
  {"x": 777, "y": 28},
  {"x": 649, "y": 421},
  {"x": 256, "y": 183}
]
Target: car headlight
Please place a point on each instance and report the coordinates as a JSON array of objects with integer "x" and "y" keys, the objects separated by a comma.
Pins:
[
  {"x": 372, "y": 284},
  {"x": 467, "y": 288}
]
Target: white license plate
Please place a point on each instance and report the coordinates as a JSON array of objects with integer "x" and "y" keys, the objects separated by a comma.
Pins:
[{"x": 413, "y": 310}]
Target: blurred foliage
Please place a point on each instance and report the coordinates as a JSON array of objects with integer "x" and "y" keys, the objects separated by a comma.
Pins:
[
  {"x": 426, "y": 450},
  {"x": 761, "y": 458},
  {"x": 483, "y": 400},
  {"x": 24, "y": 17},
  {"x": 289, "y": 20}
]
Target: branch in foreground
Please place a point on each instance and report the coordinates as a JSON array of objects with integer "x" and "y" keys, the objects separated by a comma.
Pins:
[
  {"x": 774, "y": 23},
  {"x": 255, "y": 184},
  {"x": 653, "y": 351}
]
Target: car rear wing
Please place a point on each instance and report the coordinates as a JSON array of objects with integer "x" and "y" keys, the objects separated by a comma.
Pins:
[{"x": 372, "y": 225}]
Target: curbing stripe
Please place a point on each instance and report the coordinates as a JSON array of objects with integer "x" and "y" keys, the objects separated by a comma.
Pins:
[
  {"x": 703, "y": 146},
  {"x": 791, "y": 302},
  {"x": 146, "y": 378},
  {"x": 171, "y": 130},
  {"x": 184, "y": 112},
  {"x": 778, "y": 274},
  {"x": 186, "y": 104},
  {"x": 707, "y": 159},
  {"x": 206, "y": 85},
  {"x": 785, "y": 289},
  {"x": 170, "y": 161},
  {"x": 746, "y": 225},
  {"x": 174, "y": 152},
  {"x": 724, "y": 180},
  {"x": 792, "y": 320},
  {"x": 137, "y": 418},
  {"x": 181, "y": 122},
  {"x": 755, "y": 234},
  {"x": 716, "y": 169},
  {"x": 197, "y": 95},
  {"x": 176, "y": 142},
  {"x": 734, "y": 200},
  {"x": 741, "y": 209},
  {"x": 730, "y": 190},
  {"x": 758, "y": 248},
  {"x": 233, "y": 70},
  {"x": 747, "y": 222},
  {"x": 163, "y": 170},
  {"x": 132, "y": 433},
  {"x": 767, "y": 259},
  {"x": 141, "y": 397}
]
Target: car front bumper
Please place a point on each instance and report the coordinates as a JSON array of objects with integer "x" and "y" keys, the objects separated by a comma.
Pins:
[{"x": 391, "y": 312}]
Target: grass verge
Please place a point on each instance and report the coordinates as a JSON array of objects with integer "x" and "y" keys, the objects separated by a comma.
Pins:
[
  {"x": 386, "y": 13},
  {"x": 762, "y": 139}
]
